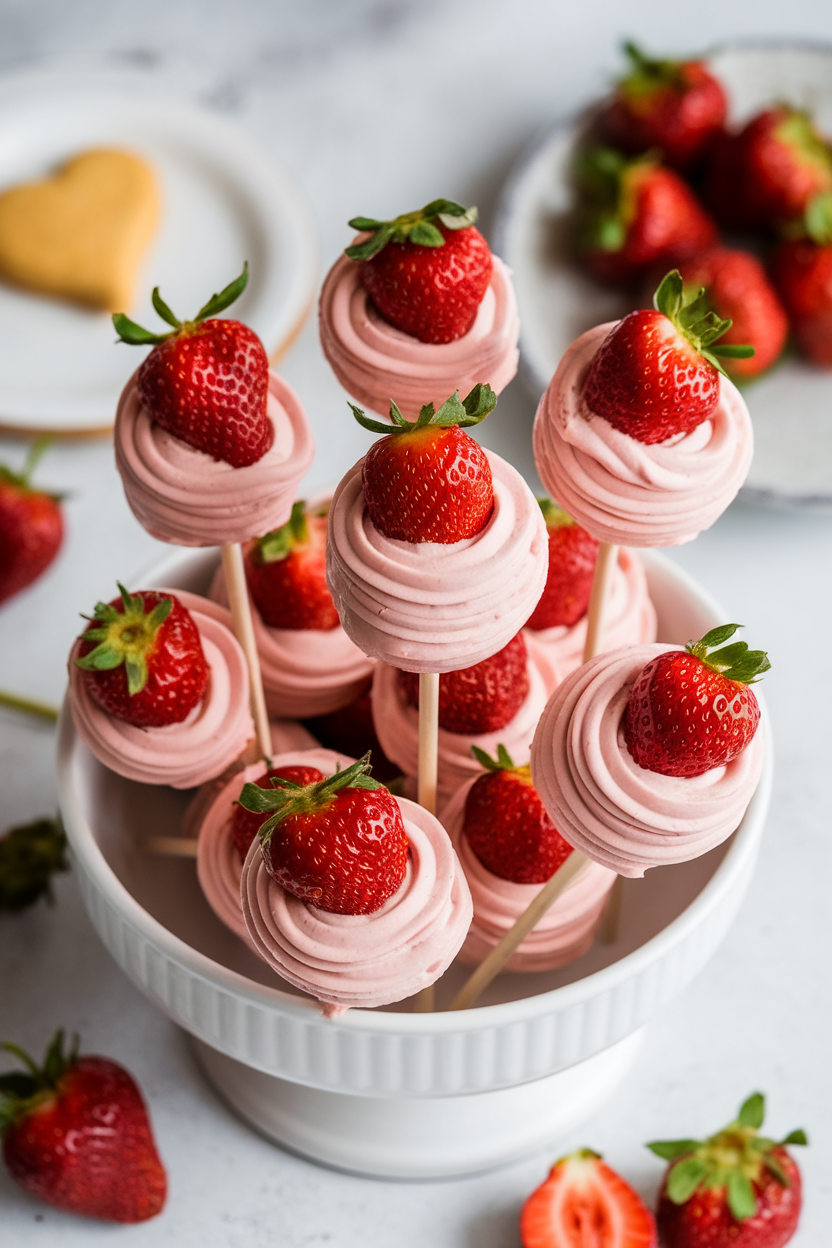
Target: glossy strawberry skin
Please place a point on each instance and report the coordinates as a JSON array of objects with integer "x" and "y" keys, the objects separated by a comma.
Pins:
[
  {"x": 482, "y": 698},
  {"x": 177, "y": 672},
  {"x": 431, "y": 293},
  {"x": 245, "y": 824},
  {"x": 89, "y": 1147},
  {"x": 31, "y": 534},
  {"x": 565, "y": 599},
  {"x": 208, "y": 386},
  {"x": 585, "y": 1204},
  {"x": 802, "y": 273},
  {"x": 430, "y": 485},
  {"x": 680, "y": 119},
  {"x": 509, "y": 830},
  {"x": 292, "y": 593}
]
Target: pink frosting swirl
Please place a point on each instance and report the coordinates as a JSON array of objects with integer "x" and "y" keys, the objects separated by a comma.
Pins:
[
  {"x": 602, "y": 802},
  {"x": 397, "y": 726},
  {"x": 182, "y": 495},
  {"x": 365, "y": 960},
  {"x": 182, "y": 755},
  {"x": 625, "y": 491},
  {"x": 564, "y": 933},
  {"x": 629, "y": 618},
  {"x": 375, "y": 362},
  {"x": 426, "y": 607}
]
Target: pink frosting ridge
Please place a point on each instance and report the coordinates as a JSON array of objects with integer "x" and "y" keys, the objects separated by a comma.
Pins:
[
  {"x": 629, "y": 618},
  {"x": 427, "y": 607},
  {"x": 602, "y": 802},
  {"x": 182, "y": 755},
  {"x": 375, "y": 362},
  {"x": 183, "y": 495},
  {"x": 397, "y": 726},
  {"x": 566, "y": 930},
  {"x": 371, "y": 959},
  {"x": 624, "y": 491}
]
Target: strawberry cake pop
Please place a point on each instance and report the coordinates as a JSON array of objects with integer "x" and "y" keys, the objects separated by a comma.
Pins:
[{"x": 417, "y": 307}]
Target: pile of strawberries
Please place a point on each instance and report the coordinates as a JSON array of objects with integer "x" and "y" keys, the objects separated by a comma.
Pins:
[{"x": 662, "y": 175}]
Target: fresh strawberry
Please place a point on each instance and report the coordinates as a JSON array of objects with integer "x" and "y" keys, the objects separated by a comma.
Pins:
[
  {"x": 766, "y": 174},
  {"x": 802, "y": 272},
  {"x": 76, "y": 1134},
  {"x": 585, "y": 1204},
  {"x": 245, "y": 825},
  {"x": 426, "y": 271},
  {"x": 207, "y": 380},
  {"x": 449, "y": 494},
  {"x": 29, "y": 856},
  {"x": 676, "y": 106},
  {"x": 572, "y": 554},
  {"x": 733, "y": 1190},
  {"x": 351, "y": 731},
  {"x": 482, "y": 698},
  {"x": 738, "y": 291},
  {"x": 691, "y": 710},
  {"x": 637, "y": 215},
  {"x": 143, "y": 660},
  {"x": 656, "y": 373},
  {"x": 31, "y": 526},
  {"x": 286, "y": 573},
  {"x": 339, "y": 844}
]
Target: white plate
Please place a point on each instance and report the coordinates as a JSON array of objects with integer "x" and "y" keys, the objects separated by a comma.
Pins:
[
  {"x": 792, "y": 406},
  {"x": 225, "y": 200}
]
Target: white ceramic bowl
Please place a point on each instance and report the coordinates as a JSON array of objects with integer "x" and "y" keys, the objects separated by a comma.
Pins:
[{"x": 388, "y": 1091}]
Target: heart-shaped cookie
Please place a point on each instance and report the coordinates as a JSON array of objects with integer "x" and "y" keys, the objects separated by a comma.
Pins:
[{"x": 80, "y": 234}]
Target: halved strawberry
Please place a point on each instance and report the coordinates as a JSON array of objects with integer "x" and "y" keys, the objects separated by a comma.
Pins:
[
  {"x": 286, "y": 573},
  {"x": 585, "y": 1204},
  {"x": 245, "y": 825},
  {"x": 482, "y": 698},
  {"x": 572, "y": 555},
  {"x": 802, "y": 272}
]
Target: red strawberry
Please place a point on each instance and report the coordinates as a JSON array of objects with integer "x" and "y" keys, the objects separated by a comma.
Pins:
[
  {"x": 76, "y": 1134},
  {"x": 245, "y": 825},
  {"x": 585, "y": 1204},
  {"x": 506, "y": 825},
  {"x": 206, "y": 381},
  {"x": 738, "y": 291},
  {"x": 802, "y": 273},
  {"x": 426, "y": 271},
  {"x": 449, "y": 494},
  {"x": 482, "y": 698},
  {"x": 691, "y": 710},
  {"x": 339, "y": 845},
  {"x": 28, "y": 857},
  {"x": 143, "y": 659},
  {"x": 656, "y": 373},
  {"x": 286, "y": 573},
  {"x": 677, "y": 106},
  {"x": 351, "y": 731},
  {"x": 637, "y": 215},
  {"x": 31, "y": 526},
  {"x": 733, "y": 1190},
  {"x": 572, "y": 554}
]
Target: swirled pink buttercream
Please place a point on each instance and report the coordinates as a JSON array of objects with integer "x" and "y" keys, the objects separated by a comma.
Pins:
[
  {"x": 397, "y": 726},
  {"x": 184, "y": 496},
  {"x": 627, "y": 492},
  {"x": 182, "y": 755},
  {"x": 365, "y": 960},
  {"x": 629, "y": 618},
  {"x": 375, "y": 362},
  {"x": 566, "y": 930},
  {"x": 426, "y": 607},
  {"x": 602, "y": 802}
]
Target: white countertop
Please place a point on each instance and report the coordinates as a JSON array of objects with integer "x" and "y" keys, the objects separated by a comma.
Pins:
[{"x": 378, "y": 106}]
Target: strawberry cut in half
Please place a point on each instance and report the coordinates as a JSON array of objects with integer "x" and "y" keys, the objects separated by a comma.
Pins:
[
  {"x": 656, "y": 374},
  {"x": 338, "y": 844},
  {"x": 692, "y": 710},
  {"x": 426, "y": 271},
  {"x": 143, "y": 660},
  {"x": 572, "y": 556},
  {"x": 736, "y": 1189},
  {"x": 31, "y": 526},
  {"x": 245, "y": 824},
  {"x": 428, "y": 480},
  {"x": 585, "y": 1204},
  {"x": 286, "y": 573},
  {"x": 481, "y": 698},
  {"x": 506, "y": 824},
  {"x": 206, "y": 381}
]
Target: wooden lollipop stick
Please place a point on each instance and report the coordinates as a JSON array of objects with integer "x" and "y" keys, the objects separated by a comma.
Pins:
[
  {"x": 491, "y": 966},
  {"x": 604, "y": 564},
  {"x": 612, "y": 913},
  {"x": 29, "y": 706},
  {"x": 235, "y": 584},
  {"x": 171, "y": 846},
  {"x": 423, "y": 1002}
]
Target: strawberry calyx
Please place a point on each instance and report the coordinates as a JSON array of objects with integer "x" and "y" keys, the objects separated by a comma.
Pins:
[
  {"x": 693, "y": 318},
  {"x": 411, "y": 227},
  {"x": 554, "y": 516},
  {"x": 734, "y": 1159},
  {"x": 127, "y": 637},
  {"x": 648, "y": 74},
  {"x": 22, "y": 1092},
  {"x": 22, "y": 480},
  {"x": 29, "y": 856},
  {"x": 817, "y": 222},
  {"x": 502, "y": 762},
  {"x": 735, "y": 662},
  {"x": 276, "y": 546},
  {"x": 128, "y": 331},
  {"x": 461, "y": 413},
  {"x": 796, "y": 130},
  {"x": 610, "y": 181},
  {"x": 286, "y": 798}
]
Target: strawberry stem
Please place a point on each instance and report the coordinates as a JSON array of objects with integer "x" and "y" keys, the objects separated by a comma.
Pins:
[
  {"x": 454, "y": 411},
  {"x": 415, "y": 227},
  {"x": 125, "y": 636},
  {"x": 128, "y": 331}
]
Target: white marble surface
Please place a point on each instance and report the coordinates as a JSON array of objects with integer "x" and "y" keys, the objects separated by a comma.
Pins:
[{"x": 377, "y": 106}]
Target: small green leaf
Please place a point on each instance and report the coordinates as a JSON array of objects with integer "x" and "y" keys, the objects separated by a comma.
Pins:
[
  {"x": 669, "y": 1150},
  {"x": 773, "y": 1166},
  {"x": 796, "y": 1137},
  {"x": 733, "y": 350},
  {"x": 365, "y": 223},
  {"x": 684, "y": 1179},
  {"x": 371, "y": 246},
  {"x": 135, "y": 666},
  {"x": 276, "y": 546},
  {"x": 218, "y": 303},
  {"x": 716, "y": 636},
  {"x": 160, "y": 613},
  {"x": 425, "y": 234},
  {"x": 741, "y": 1199},
  {"x": 752, "y": 1111},
  {"x": 128, "y": 331},
  {"x": 102, "y": 659},
  {"x": 819, "y": 219},
  {"x": 396, "y": 415},
  {"x": 367, "y": 422},
  {"x": 668, "y": 297},
  {"x": 459, "y": 220},
  {"x": 504, "y": 758},
  {"x": 18, "y": 1085},
  {"x": 452, "y": 412},
  {"x": 484, "y": 759},
  {"x": 163, "y": 309},
  {"x": 448, "y": 207}
]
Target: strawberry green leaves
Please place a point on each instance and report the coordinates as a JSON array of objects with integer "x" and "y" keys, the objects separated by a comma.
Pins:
[
  {"x": 29, "y": 856},
  {"x": 415, "y": 227},
  {"x": 462, "y": 413},
  {"x": 694, "y": 319},
  {"x": 124, "y": 637},
  {"x": 501, "y": 763},
  {"x": 133, "y": 334},
  {"x": 735, "y": 662},
  {"x": 286, "y": 798},
  {"x": 279, "y": 544}
]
